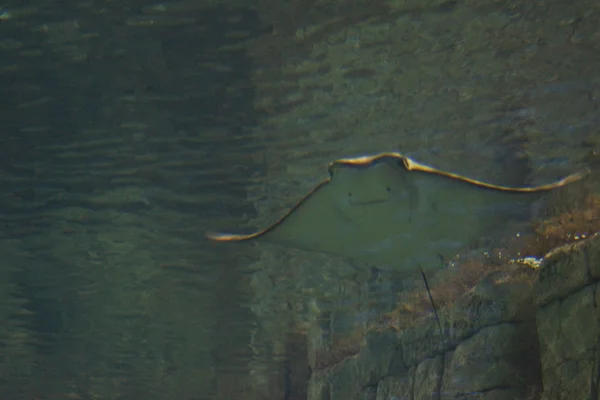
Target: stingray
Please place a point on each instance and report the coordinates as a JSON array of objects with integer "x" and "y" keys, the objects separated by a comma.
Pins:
[{"x": 388, "y": 210}]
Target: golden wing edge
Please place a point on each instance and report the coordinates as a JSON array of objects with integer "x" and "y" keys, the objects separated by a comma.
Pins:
[
  {"x": 233, "y": 237},
  {"x": 412, "y": 165}
]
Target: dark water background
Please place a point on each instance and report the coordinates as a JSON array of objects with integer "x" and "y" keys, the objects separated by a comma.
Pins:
[
  {"x": 125, "y": 136},
  {"x": 117, "y": 149}
]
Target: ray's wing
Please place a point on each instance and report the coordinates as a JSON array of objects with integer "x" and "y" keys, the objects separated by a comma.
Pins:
[
  {"x": 388, "y": 210},
  {"x": 308, "y": 225},
  {"x": 450, "y": 212},
  {"x": 344, "y": 214}
]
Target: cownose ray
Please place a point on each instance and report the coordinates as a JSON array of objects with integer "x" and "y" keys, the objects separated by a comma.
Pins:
[{"x": 391, "y": 211}]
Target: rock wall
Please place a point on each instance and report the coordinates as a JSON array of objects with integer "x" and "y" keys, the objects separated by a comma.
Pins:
[
  {"x": 483, "y": 88},
  {"x": 511, "y": 337},
  {"x": 567, "y": 298}
]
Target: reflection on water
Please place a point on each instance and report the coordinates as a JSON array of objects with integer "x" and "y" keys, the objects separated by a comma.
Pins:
[{"x": 131, "y": 128}]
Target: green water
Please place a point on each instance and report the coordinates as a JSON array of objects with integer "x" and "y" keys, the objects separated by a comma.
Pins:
[
  {"x": 114, "y": 163},
  {"x": 128, "y": 132}
]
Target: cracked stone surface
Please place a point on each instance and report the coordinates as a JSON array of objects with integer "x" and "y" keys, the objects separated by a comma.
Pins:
[
  {"x": 568, "y": 321},
  {"x": 490, "y": 351},
  {"x": 503, "y": 341}
]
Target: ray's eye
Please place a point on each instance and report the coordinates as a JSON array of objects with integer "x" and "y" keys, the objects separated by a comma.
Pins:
[
  {"x": 349, "y": 194},
  {"x": 389, "y": 189}
]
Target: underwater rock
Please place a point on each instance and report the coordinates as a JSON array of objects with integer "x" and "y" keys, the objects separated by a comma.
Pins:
[
  {"x": 568, "y": 326},
  {"x": 503, "y": 340},
  {"x": 489, "y": 351}
]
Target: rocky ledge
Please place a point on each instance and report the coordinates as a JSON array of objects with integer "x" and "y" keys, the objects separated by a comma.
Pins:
[{"x": 504, "y": 339}]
